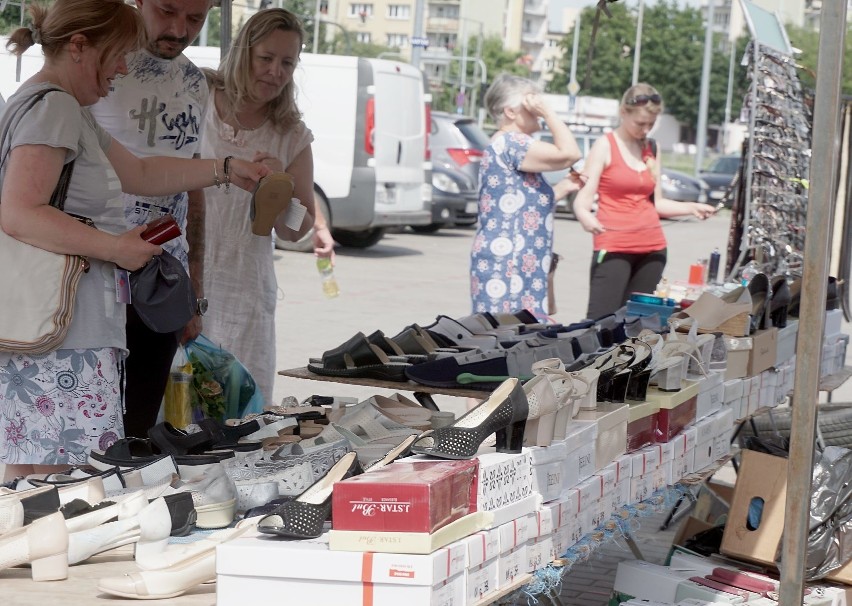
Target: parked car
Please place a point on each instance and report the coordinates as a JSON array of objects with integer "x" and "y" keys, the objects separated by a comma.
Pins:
[
  {"x": 682, "y": 187},
  {"x": 720, "y": 175},
  {"x": 456, "y": 144}
]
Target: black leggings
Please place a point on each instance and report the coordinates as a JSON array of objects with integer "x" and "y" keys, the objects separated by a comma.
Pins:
[
  {"x": 615, "y": 275},
  {"x": 148, "y": 367}
]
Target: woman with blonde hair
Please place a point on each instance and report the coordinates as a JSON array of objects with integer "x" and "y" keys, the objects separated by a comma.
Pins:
[
  {"x": 253, "y": 115},
  {"x": 624, "y": 171},
  {"x": 56, "y": 407}
]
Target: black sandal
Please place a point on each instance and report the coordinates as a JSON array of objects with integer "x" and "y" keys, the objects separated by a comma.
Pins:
[{"x": 359, "y": 358}]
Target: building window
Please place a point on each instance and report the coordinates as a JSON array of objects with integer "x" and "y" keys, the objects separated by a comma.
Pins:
[
  {"x": 363, "y": 37},
  {"x": 447, "y": 41},
  {"x": 399, "y": 11},
  {"x": 361, "y": 10},
  {"x": 445, "y": 12},
  {"x": 397, "y": 40},
  {"x": 324, "y": 7},
  {"x": 552, "y": 43},
  {"x": 548, "y": 65}
]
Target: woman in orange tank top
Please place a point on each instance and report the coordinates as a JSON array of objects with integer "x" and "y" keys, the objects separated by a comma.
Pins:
[{"x": 629, "y": 244}]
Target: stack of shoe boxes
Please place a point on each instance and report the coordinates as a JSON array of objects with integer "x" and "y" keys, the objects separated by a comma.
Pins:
[{"x": 481, "y": 566}]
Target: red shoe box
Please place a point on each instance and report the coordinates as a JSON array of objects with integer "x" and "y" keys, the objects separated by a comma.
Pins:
[
  {"x": 677, "y": 410},
  {"x": 406, "y": 497},
  {"x": 641, "y": 424}
]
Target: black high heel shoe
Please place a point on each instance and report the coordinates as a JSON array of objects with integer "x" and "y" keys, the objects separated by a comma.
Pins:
[
  {"x": 780, "y": 301},
  {"x": 504, "y": 412},
  {"x": 640, "y": 371},
  {"x": 304, "y": 517},
  {"x": 614, "y": 368},
  {"x": 758, "y": 288}
]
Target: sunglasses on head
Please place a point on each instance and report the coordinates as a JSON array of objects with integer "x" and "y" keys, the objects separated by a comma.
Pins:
[{"x": 645, "y": 99}]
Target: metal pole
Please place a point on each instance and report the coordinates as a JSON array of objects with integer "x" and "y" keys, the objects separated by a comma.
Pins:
[
  {"x": 316, "y": 27},
  {"x": 730, "y": 94},
  {"x": 224, "y": 28},
  {"x": 704, "y": 99},
  {"x": 417, "y": 50},
  {"x": 463, "y": 70},
  {"x": 638, "y": 50},
  {"x": 478, "y": 64},
  {"x": 823, "y": 179}
]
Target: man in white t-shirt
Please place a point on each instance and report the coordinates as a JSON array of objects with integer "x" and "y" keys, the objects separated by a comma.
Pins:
[{"x": 157, "y": 110}]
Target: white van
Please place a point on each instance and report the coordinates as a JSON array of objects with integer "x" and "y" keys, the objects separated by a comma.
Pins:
[{"x": 370, "y": 148}]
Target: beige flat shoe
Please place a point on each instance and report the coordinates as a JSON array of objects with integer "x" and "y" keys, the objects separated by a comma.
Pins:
[{"x": 271, "y": 196}]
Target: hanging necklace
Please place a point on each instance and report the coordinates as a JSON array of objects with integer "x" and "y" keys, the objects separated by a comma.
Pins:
[{"x": 246, "y": 128}]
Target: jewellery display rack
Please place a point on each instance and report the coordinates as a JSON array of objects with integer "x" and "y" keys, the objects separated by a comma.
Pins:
[{"x": 770, "y": 200}]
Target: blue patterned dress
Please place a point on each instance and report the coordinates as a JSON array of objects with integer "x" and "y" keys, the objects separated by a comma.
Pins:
[{"x": 514, "y": 243}]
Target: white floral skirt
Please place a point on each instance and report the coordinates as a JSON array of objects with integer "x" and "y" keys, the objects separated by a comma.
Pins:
[{"x": 56, "y": 407}]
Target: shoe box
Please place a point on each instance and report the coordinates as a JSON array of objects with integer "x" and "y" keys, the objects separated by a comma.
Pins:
[
  {"x": 641, "y": 424},
  {"x": 749, "y": 356},
  {"x": 406, "y": 496},
  {"x": 611, "y": 438},
  {"x": 250, "y": 570},
  {"x": 676, "y": 409}
]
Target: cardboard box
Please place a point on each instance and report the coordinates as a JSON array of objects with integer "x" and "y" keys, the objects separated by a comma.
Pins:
[
  {"x": 549, "y": 479},
  {"x": 503, "y": 479},
  {"x": 611, "y": 440},
  {"x": 481, "y": 547},
  {"x": 249, "y": 570},
  {"x": 406, "y": 497},
  {"x": 833, "y": 322},
  {"x": 733, "y": 390},
  {"x": 739, "y": 351},
  {"x": 579, "y": 465},
  {"x": 761, "y": 476},
  {"x": 515, "y": 533},
  {"x": 511, "y": 566},
  {"x": 579, "y": 433},
  {"x": 641, "y": 424},
  {"x": 481, "y": 581},
  {"x": 677, "y": 409},
  {"x": 711, "y": 394},
  {"x": 763, "y": 351},
  {"x": 647, "y": 581},
  {"x": 540, "y": 552},
  {"x": 787, "y": 337}
]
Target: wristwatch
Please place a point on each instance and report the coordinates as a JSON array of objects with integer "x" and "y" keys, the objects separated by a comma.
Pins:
[{"x": 201, "y": 306}]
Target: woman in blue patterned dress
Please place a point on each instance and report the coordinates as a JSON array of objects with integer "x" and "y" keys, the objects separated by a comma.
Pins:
[{"x": 513, "y": 247}]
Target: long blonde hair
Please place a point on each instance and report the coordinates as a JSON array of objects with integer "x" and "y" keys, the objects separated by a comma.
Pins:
[
  {"x": 111, "y": 26},
  {"x": 234, "y": 76}
]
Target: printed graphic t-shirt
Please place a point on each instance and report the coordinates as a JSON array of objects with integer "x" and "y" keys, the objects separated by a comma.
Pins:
[{"x": 156, "y": 110}]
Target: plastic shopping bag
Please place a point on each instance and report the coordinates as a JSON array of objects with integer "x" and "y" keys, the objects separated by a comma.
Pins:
[
  {"x": 177, "y": 406},
  {"x": 221, "y": 387}
]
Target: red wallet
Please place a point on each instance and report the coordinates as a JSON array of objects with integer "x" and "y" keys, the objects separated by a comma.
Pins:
[{"x": 161, "y": 230}]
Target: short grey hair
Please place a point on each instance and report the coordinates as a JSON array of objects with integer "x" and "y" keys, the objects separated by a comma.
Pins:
[{"x": 507, "y": 91}]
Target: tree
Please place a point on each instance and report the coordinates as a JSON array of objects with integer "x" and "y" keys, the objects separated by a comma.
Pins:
[
  {"x": 671, "y": 59},
  {"x": 808, "y": 42},
  {"x": 496, "y": 59}
]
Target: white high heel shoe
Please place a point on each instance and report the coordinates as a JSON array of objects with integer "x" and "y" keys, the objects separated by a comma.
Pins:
[
  {"x": 83, "y": 545},
  {"x": 42, "y": 544},
  {"x": 543, "y": 411},
  {"x": 575, "y": 391},
  {"x": 198, "y": 567}
]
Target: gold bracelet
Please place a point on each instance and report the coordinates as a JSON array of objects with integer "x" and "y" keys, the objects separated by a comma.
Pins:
[
  {"x": 227, "y": 167},
  {"x": 216, "y": 180}
]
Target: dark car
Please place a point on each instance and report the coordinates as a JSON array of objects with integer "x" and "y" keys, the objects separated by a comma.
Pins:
[
  {"x": 719, "y": 176},
  {"x": 683, "y": 188},
  {"x": 456, "y": 143}
]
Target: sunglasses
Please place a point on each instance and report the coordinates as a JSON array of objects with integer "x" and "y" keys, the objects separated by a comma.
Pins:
[{"x": 645, "y": 99}]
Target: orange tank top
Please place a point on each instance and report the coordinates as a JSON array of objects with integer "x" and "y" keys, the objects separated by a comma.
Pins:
[{"x": 625, "y": 208}]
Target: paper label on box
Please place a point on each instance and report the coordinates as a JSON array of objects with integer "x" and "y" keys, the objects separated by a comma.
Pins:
[
  {"x": 512, "y": 565},
  {"x": 539, "y": 553},
  {"x": 482, "y": 546},
  {"x": 503, "y": 479},
  {"x": 515, "y": 533},
  {"x": 544, "y": 522},
  {"x": 547, "y": 479}
]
